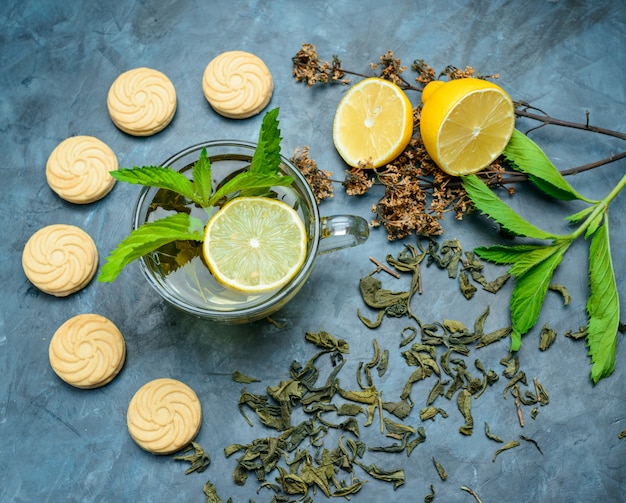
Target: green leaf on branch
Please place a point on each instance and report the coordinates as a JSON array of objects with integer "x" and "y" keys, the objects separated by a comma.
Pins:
[
  {"x": 491, "y": 205},
  {"x": 201, "y": 173},
  {"x": 148, "y": 238},
  {"x": 529, "y": 159},
  {"x": 602, "y": 306},
  {"x": 530, "y": 291}
]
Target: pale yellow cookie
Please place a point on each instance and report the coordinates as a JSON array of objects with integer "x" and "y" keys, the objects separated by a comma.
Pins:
[
  {"x": 141, "y": 101},
  {"x": 164, "y": 416},
  {"x": 237, "y": 84},
  {"x": 60, "y": 259},
  {"x": 78, "y": 169},
  {"x": 87, "y": 351}
]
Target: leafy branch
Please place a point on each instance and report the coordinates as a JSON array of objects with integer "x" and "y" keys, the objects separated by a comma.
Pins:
[
  {"x": 533, "y": 265},
  {"x": 263, "y": 173}
]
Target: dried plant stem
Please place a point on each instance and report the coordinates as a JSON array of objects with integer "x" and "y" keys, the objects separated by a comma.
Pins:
[{"x": 473, "y": 493}]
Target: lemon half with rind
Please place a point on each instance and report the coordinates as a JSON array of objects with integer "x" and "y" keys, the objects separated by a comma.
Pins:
[
  {"x": 465, "y": 124},
  {"x": 373, "y": 123},
  {"x": 255, "y": 244}
]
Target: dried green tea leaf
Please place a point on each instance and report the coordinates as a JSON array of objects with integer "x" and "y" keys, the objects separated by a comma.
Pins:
[
  {"x": 244, "y": 379},
  {"x": 622, "y": 434},
  {"x": 464, "y": 403},
  {"x": 367, "y": 396},
  {"x": 512, "y": 365},
  {"x": 429, "y": 498},
  {"x": 519, "y": 377},
  {"x": 440, "y": 470},
  {"x": 547, "y": 337},
  {"x": 562, "y": 289},
  {"x": 396, "y": 476},
  {"x": 400, "y": 409},
  {"x": 532, "y": 441},
  {"x": 211, "y": 493},
  {"x": 407, "y": 339},
  {"x": 494, "y": 336},
  {"x": 431, "y": 412},
  {"x": 578, "y": 334},
  {"x": 384, "y": 363},
  {"x": 505, "y": 447},
  {"x": 490, "y": 435},
  {"x": 467, "y": 288},
  {"x": 437, "y": 390},
  {"x": 349, "y": 409},
  {"x": 542, "y": 395},
  {"x": 328, "y": 342},
  {"x": 199, "y": 460},
  {"x": 421, "y": 438},
  {"x": 534, "y": 412}
]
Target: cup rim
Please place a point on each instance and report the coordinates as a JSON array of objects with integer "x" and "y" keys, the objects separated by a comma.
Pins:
[{"x": 264, "y": 308}]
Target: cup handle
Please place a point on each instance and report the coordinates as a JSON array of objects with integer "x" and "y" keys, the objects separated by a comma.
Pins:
[{"x": 342, "y": 231}]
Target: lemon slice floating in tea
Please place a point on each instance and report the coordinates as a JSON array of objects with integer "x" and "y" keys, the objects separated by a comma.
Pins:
[
  {"x": 373, "y": 123},
  {"x": 465, "y": 124},
  {"x": 255, "y": 244}
]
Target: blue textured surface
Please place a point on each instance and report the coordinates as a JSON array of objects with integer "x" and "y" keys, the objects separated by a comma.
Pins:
[{"x": 58, "y": 61}]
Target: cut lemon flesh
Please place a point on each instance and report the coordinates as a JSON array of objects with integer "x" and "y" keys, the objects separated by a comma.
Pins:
[
  {"x": 255, "y": 244},
  {"x": 373, "y": 123},
  {"x": 465, "y": 124}
]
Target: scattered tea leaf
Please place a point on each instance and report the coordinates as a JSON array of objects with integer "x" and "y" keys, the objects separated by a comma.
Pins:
[
  {"x": 490, "y": 435},
  {"x": 429, "y": 498},
  {"x": 440, "y": 470},
  {"x": 211, "y": 493},
  {"x": 464, "y": 402},
  {"x": 505, "y": 447},
  {"x": 243, "y": 379},
  {"x": 199, "y": 460},
  {"x": 547, "y": 337},
  {"x": 562, "y": 289},
  {"x": 328, "y": 342},
  {"x": 622, "y": 434},
  {"x": 532, "y": 441}
]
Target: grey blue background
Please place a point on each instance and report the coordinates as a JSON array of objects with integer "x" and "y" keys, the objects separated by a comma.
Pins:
[{"x": 58, "y": 59}]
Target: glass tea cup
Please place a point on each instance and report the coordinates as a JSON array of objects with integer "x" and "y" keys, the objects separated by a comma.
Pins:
[{"x": 177, "y": 271}]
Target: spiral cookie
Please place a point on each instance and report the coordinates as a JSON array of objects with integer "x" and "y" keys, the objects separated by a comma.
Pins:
[
  {"x": 237, "y": 84},
  {"x": 78, "y": 169},
  {"x": 142, "y": 101},
  {"x": 60, "y": 259},
  {"x": 87, "y": 351},
  {"x": 164, "y": 416}
]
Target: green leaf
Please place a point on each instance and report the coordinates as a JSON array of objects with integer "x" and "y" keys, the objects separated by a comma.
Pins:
[
  {"x": 149, "y": 237},
  {"x": 266, "y": 158},
  {"x": 577, "y": 217},
  {"x": 201, "y": 173},
  {"x": 247, "y": 182},
  {"x": 157, "y": 176},
  {"x": 602, "y": 306},
  {"x": 528, "y": 158},
  {"x": 491, "y": 205},
  {"x": 530, "y": 291},
  {"x": 521, "y": 257}
]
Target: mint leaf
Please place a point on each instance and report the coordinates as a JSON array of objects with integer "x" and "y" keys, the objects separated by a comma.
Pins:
[
  {"x": 149, "y": 237},
  {"x": 266, "y": 158},
  {"x": 201, "y": 174},
  {"x": 578, "y": 216},
  {"x": 157, "y": 176},
  {"x": 602, "y": 306},
  {"x": 521, "y": 257},
  {"x": 249, "y": 183},
  {"x": 528, "y": 158},
  {"x": 530, "y": 291},
  {"x": 491, "y": 205}
]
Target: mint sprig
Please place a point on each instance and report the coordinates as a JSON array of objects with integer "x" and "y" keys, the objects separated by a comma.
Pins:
[
  {"x": 263, "y": 173},
  {"x": 533, "y": 265}
]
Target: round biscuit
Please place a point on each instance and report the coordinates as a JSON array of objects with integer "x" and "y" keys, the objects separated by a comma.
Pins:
[
  {"x": 60, "y": 259},
  {"x": 237, "y": 84},
  {"x": 87, "y": 351},
  {"x": 78, "y": 169},
  {"x": 141, "y": 101},
  {"x": 163, "y": 416}
]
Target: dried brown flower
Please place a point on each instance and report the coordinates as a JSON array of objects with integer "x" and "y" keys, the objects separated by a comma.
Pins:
[
  {"x": 308, "y": 68},
  {"x": 318, "y": 179},
  {"x": 358, "y": 181},
  {"x": 389, "y": 68}
]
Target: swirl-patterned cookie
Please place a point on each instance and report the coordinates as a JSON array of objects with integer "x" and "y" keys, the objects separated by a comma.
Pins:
[
  {"x": 164, "y": 416},
  {"x": 141, "y": 101},
  {"x": 60, "y": 259},
  {"x": 78, "y": 169},
  {"x": 87, "y": 351},
  {"x": 237, "y": 84}
]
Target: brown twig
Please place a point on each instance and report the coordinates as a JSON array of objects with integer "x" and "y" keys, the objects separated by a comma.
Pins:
[
  {"x": 382, "y": 267},
  {"x": 472, "y": 492}
]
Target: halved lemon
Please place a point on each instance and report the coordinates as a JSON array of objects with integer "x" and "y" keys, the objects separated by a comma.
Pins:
[
  {"x": 255, "y": 244},
  {"x": 465, "y": 123},
  {"x": 373, "y": 123}
]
